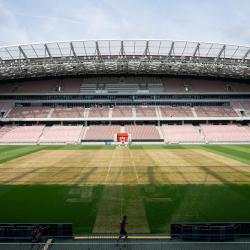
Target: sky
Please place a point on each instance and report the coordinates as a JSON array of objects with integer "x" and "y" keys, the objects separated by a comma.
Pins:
[{"x": 32, "y": 21}]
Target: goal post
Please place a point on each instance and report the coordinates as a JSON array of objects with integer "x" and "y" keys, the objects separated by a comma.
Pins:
[{"x": 122, "y": 138}]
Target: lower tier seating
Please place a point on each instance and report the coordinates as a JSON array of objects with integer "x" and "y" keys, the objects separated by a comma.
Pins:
[
  {"x": 101, "y": 133},
  {"x": 182, "y": 134},
  {"x": 61, "y": 134},
  {"x": 143, "y": 133},
  {"x": 20, "y": 134},
  {"x": 170, "y": 133},
  {"x": 226, "y": 133}
]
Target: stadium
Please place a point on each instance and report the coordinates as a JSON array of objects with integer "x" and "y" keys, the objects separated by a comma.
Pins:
[{"x": 157, "y": 130}]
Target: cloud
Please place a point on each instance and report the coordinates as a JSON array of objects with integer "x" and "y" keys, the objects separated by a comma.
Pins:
[
  {"x": 11, "y": 31},
  {"x": 224, "y": 21}
]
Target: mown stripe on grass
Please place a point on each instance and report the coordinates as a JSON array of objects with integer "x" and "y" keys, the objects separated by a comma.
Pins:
[
  {"x": 13, "y": 152},
  {"x": 230, "y": 152},
  {"x": 79, "y": 147}
]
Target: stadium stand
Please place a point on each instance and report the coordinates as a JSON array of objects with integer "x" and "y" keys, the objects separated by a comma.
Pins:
[
  {"x": 29, "y": 112},
  {"x": 20, "y": 134},
  {"x": 4, "y": 106},
  {"x": 182, "y": 134},
  {"x": 61, "y": 134},
  {"x": 98, "y": 112},
  {"x": 64, "y": 112},
  {"x": 118, "y": 111},
  {"x": 243, "y": 106},
  {"x": 100, "y": 133},
  {"x": 120, "y": 92},
  {"x": 195, "y": 85},
  {"x": 145, "y": 111},
  {"x": 179, "y": 111},
  {"x": 215, "y": 111},
  {"x": 226, "y": 133},
  {"x": 143, "y": 133}
]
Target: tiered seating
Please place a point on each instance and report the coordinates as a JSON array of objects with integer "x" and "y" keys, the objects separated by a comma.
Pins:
[
  {"x": 122, "y": 87},
  {"x": 202, "y": 85},
  {"x": 7, "y": 87},
  {"x": 63, "y": 112},
  {"x": 218, "y": 111},
  {"x": 182, "y": 134},
  {"x": 20, "y": 134},
  {"x": 179, "y": 111},
  {"x": 122, "y": 112},
  {"x": 226, "y": 133},
  {"x": 242, "y": 105},
  {"x": 145, "y": 112},
  {"x": 88, "y": 88},
  {"x": 155, "y": 87},
  {"x": 143, "y": 133},
  {"x": 4, "y": 106},
  {"x": 61, "y": 134},
  {"x": 101, "y": 133},
  {"x": 98, "y": 112},
  {"x": 29, "y": 112},
  {"x": 6, "y": 129}
]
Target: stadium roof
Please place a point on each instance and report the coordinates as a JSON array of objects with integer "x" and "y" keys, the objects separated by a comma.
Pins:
[{"x": 121, "y": 57}]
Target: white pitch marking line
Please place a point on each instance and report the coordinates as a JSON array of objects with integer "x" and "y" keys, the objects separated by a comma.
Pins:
[
  {"x": 109, "y": 167},
  {"x": 133, "y": 163}
]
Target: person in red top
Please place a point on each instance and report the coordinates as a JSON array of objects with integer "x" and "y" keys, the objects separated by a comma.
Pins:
[{"x": 123, "y": 224}]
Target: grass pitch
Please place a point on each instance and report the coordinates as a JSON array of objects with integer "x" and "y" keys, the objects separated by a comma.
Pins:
[{"x": 92, "y": 187}]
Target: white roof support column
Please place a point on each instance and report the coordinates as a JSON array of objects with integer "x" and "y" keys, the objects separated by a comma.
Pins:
[
  {"x": 22, "y": 52},
  {"x": 73, "y": 50},
  {"x": 171, "y": 50},
  {"x": 47, "y": 50},
  {"x": 220, "y": 53},
  {"x": 146, "y": 51},
  {"x": 197, "y": 49}
]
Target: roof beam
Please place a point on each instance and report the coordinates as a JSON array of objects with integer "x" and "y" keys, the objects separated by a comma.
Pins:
[
  {"x": 146, "y": 51},
  {"x": 122, "y": 51},
  {"x": 246, "y": 55},
  {"x": 73, "y": 50},
  {"x": 97, "y": 50},
  {"x": 47, "y": 50},
  {"x": 220, "y": 53},
  {"x": 22, "y": 52},
  {"x": 171, "y": 49},
  {"x": 197, "y": 49}
]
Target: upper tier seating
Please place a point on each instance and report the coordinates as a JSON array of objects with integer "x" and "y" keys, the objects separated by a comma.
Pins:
[
  {"x": 29, "y": 112},
  {"x": 145, "y": 111},
  {"x": 226, "y": 133},
  {"x": 6, "y": 105},
  {"x": 61, "y": 134},
  {"x": 20, "y": 134},
  {"x": 242, "y": 105},
  {"x": 182, "y": 134},
  {"x": 201, "y": 85},
  {"x": 63, "y": 112},
  {"x": 101, "y": 133},
  {"x": 98, "y": 112},
  {"x": 42, "y": 86},
  {"x": 219, "y": 111},
  {"x": 121, "y": 87},
  {"x": 122, "y": 112},
  {"x": 179, "y": 111},
  {"x": 143, "y": 133}
]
